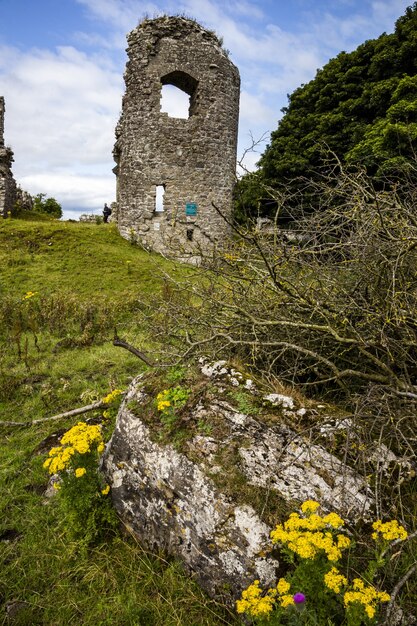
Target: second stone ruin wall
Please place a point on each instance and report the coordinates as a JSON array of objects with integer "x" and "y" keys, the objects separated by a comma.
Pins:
[{"x": 7, "y": 182}]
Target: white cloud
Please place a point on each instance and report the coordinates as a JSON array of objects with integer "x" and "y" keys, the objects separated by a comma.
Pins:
[
  {"x": 365, "y": 21},
  {"x": 386, "y": 12},
  {"x": 61, "y": 110},
  {"x": 246, "y": 9},
  {"x": 75, "y": 193},
  {"x": 123, "y": 15},
  {"x": 254, "y": 112}
]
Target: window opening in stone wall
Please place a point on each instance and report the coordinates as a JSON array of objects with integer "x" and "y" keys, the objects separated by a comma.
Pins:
[
  {"x": 179, "y": 94},
  {"x": 175, "y": 102},
  {"x": 190, "y": 234},
  {"x": 159, "y": 198}
]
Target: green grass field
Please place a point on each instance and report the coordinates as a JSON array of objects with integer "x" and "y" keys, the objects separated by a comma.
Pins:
[
  {"x": 65, "y": 288},
  {"x": 56, "y": 354}
]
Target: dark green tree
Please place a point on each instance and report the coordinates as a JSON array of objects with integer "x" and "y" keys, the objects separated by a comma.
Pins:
[
  {"x": 361, "y": 107},
  {"x": 42, "y": 204}
]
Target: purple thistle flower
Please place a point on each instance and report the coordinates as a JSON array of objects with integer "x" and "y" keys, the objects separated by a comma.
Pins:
[{"x": 299, "y": 598}]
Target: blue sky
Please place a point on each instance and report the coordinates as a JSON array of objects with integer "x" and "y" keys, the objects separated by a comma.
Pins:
[{"x": 62, "y": 63}]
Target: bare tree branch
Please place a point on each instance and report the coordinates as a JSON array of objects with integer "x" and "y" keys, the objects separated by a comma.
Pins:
[
  {"x": 127, "y": 346},
  {"x": 84, "y": 409},
  {"x": 395, "y": 592}
]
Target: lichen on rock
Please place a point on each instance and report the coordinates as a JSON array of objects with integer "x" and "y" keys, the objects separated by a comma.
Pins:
[{"x": 200, "y": 489}]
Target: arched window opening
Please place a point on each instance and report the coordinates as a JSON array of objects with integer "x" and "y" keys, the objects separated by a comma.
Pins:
[
  {"x": 178, "y": 94},
  {"x": 159, "y": 198},
  {"x": 175, "y": 102}
]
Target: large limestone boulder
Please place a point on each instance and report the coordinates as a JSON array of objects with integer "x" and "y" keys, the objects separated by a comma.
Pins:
[{"x": 209, "y": 486}]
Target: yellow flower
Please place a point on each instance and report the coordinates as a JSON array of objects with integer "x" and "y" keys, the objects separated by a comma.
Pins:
[
  {"x": 283, "y": 586},
  {"x": 310, "y": 506},
  {"x": 29, "y": 294},
  {"x": 80, "y": 471},
  {"x": 254, "y": 603},
  {"x": 112, "y": 396},
  {"x": 54, "y": 451},
  {"x": 163, "y": 404},
  {"x": 333, "y": 520},
  {"x": 286, "y": 600},
  {"x": 263, "y": 606},
  {"x": 343, "y": 542},
  {"x": 334, "y": 580},
  {"x": 389, "y": 530},
  {"x": 106, "y": 490},
  {"x": 367, "y": 596},
  {"x": 241, "y": 606},
  {"x": 383, "y": 596}
]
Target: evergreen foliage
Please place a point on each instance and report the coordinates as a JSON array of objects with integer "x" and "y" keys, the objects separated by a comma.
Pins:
[{"x": 361, "y": 106}]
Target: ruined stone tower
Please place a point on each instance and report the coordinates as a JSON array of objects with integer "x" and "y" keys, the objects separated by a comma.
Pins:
[
  {"x": 7, "y": 182},
  {"x": 170, "y": 170}
]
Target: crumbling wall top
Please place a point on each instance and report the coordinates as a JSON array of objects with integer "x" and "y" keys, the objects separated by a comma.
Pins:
[{"x": 175, "y": 27}]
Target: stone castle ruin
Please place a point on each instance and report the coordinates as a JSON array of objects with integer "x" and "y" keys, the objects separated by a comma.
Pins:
[
  {"x": 7, "y": 182},
  {"x": 170, "y": 170}
]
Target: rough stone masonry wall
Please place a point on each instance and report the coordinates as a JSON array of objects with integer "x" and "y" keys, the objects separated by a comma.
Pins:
[
  {"x": 194, "y": 159},
  {"x": 7, "y": 182}
]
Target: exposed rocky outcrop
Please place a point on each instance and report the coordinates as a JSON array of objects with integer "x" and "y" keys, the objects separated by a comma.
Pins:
[{"x": 202, "y": 497}]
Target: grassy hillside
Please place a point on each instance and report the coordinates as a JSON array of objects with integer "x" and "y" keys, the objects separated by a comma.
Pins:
[
  {"x": 64, "y": 287},
  {"x": 86, "y": 259}
]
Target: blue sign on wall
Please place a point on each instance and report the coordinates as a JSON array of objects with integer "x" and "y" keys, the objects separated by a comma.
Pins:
[{"x": 191, "y": 208}]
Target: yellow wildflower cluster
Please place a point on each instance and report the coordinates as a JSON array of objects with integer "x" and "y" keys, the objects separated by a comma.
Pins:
[
  {"x": 29, "y": 294},
  {"x": 283, "y": 586},
  {"x": 311, "y": 535},
  {"x": 368, "y": 596},
  {"x": 257, "y": 604},
  {"x": 80, "y": 439},
  {"x": 253, "y": 602},
  {"x": 389, "y": 530},
  {"x": 80, "y": 471},
  {"x": 106, "y": 490},
  {"x": 112, "y": 396},
  {"x": 162, "y": 402},
  {"x": 334, "y": 580},
  {"x": 309, "y": 506}
]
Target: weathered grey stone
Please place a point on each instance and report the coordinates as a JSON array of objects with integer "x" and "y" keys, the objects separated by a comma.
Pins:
[
  {"x": 23, "y": 199},
  {"x": 172, "y": 500},
  {"x": 10, "y": 194},
  {"x": 7, "y": 182},
  {"x": 170, "y": 503},
  {"x": 2, "y": 111},
  {"x": 89, "y": 218},
  {"x": 194, "y": 159}
]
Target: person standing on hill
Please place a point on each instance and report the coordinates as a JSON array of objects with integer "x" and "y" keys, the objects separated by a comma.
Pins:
[{"x": 106, "y": 213}]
